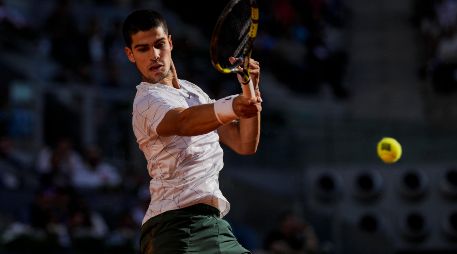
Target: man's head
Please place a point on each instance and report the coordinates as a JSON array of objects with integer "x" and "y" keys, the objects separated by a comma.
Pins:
[
  {"x": 141, "y": 20},
  {"x": 148, "y": 45}
]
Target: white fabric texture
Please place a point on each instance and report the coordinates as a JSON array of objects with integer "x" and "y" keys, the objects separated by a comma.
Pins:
[{"x": 184, "y": 170}]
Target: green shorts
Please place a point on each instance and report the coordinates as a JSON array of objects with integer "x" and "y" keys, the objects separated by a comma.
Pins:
[{"x": 194, "y": 229}]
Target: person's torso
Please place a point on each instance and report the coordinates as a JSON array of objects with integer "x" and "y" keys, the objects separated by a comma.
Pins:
[{"x": 184, "y": 169}]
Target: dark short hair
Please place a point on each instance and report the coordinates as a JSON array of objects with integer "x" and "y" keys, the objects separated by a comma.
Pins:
[{"x": 141, "y": 20}]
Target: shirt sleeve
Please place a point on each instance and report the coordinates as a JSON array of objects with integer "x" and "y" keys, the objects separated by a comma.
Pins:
[{"x": 149, "y": 111}]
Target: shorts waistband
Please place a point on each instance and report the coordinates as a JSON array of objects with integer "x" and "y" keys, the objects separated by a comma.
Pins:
[
  {"x": 200, "y": 209},
  {"x": 197, "y": 209}
]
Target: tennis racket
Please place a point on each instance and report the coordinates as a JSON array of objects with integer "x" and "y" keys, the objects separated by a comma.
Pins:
[{"x": 233, "y": 36}]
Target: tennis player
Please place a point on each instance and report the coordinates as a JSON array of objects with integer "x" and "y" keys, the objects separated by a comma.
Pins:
[{"x": 178, "y": 128}]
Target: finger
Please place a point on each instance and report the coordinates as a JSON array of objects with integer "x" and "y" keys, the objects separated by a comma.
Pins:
[
  {"x": 252, "y": 111},
  {"x": 254, "y": 71},
  {"x": 256, "y": 100},
  {"x": 234, "y": 60},
  {"x": 254, "y": 63}
]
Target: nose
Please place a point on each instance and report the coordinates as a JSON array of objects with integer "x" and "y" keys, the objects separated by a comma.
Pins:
[{"x": 155, "y": 55}]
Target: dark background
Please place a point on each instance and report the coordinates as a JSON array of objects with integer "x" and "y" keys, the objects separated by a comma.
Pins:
[{"x": 337, "y": 76}]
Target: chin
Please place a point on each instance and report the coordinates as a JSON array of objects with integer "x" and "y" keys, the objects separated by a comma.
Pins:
[{"x": 153, "y": 77}]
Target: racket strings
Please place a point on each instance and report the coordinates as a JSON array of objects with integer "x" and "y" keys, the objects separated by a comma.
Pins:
[{"x": 233, "y": 34}]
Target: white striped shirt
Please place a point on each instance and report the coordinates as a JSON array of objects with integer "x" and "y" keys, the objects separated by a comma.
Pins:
[{"x": 184, "y": 170}]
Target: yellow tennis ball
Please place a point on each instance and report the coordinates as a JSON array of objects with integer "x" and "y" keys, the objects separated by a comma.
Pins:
[{"x": 389, "y": 150}]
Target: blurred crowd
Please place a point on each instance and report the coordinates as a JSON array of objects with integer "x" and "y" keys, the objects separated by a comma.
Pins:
[
  {"x": 73, "y": 197},
  {"x": 436, "y": 22},
  {"x": 303, "y": 43},
  {"x": 309, "y": 41},
  {"x": 72, "y": 201},
  {"x": 62, "y": 201}
]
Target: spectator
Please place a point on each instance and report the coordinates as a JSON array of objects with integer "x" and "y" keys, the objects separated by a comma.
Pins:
[
  {"x": 93, "y": 34},
  {"x": 291, "y": 236},
  {"x": 65, "y": 218},
  {"x": 69, "y": 48},
  {"x": 48, "y": 214},
  {"x": 14, "y": 165},
  {"x": 112, "y": 55},
  {"x": 124, "y": 236},
  {"x": 85, "y": 223},
  {"x": 14, "y": 26},
  {"x": 56, "y": 165},
  {"x": 327, "y": 61},
  {"x": 112, "y": 43},
  {"x": 86, "y": 227},
  {"x": 11, "y": 17},
  {"x": 96, "y": 173}
]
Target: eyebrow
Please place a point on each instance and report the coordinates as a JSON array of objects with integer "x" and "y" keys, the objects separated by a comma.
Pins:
[
  {"x": 141, "y": 45},
  {"x": 147, "y": 44}
]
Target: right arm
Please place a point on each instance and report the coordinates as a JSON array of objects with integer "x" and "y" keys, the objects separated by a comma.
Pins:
[
  {"x": 192, "y": 121},
  {"x": 201, "y": 119}
]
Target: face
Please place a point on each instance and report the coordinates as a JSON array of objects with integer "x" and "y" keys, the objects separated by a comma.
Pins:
[{"x": 151, "y": 53}]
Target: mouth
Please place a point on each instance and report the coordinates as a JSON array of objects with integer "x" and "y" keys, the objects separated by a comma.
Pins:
[{"x": 155, "y": 67}]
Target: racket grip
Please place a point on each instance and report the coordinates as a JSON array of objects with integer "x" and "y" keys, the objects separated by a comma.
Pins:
[{"x": 248, "y": 89}]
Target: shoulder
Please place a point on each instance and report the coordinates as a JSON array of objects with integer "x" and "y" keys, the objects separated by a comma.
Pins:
[
  {"x": 145, "y": 89},
  {"x": 195, "y": 88},
  {"x": 146, "y": 94},
  {"x": 190, "y": 85}
]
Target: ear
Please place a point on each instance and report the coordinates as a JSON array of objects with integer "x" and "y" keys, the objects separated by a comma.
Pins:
[{"x": 129, "y": 54}]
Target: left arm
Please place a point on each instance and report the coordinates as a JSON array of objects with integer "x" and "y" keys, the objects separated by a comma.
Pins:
[{"x": 243, "y": 136}]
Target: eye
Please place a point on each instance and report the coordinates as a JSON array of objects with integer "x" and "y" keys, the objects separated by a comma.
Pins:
[
  {"x": 143, "y": 49},
  {"x": 160, "y": 45}
]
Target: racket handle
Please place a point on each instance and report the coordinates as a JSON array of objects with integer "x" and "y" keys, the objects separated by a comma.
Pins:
[{"x": 248, "y": 89}]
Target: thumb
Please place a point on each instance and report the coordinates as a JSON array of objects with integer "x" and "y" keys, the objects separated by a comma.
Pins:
[{"x": 233, "y": 60}]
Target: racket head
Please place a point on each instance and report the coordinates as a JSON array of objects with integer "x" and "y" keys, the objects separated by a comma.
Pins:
[{"x": 233, "y": 36}]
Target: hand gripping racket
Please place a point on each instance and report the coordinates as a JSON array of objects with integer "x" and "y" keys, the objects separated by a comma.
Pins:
[{"x": 233, "y": 36}]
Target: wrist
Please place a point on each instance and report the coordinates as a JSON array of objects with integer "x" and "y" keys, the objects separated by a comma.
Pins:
[{"x": 223, "y": 109}]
